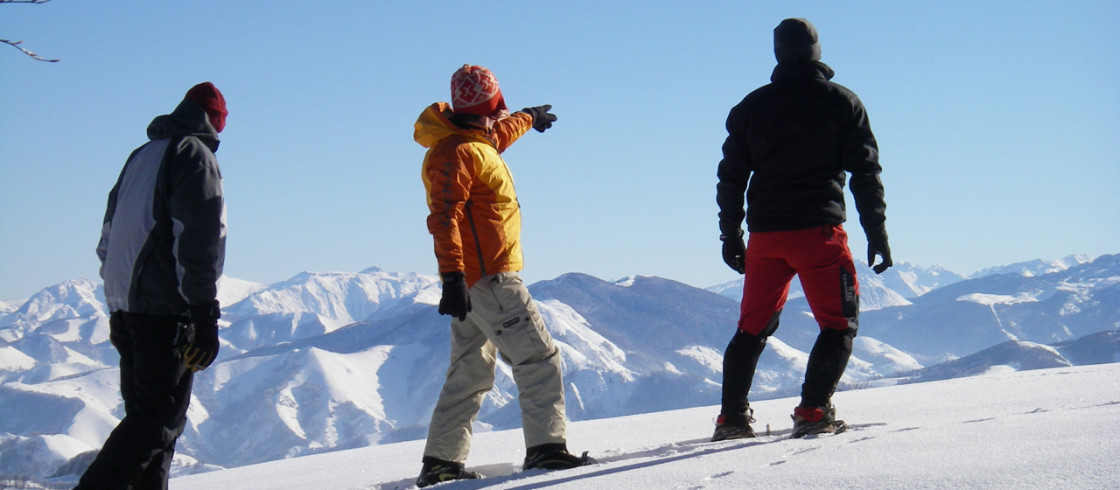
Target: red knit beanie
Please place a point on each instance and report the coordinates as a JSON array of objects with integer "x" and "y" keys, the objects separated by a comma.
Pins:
[
  {"x": 207, "y": 96},
  {"x": 474, "y": 90}
]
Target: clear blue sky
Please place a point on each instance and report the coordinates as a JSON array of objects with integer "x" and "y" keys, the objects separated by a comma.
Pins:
[{"x": 998, "y": 124}]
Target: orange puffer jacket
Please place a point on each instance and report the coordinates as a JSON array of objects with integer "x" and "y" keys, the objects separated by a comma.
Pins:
[{"x": 475, "y": 219}]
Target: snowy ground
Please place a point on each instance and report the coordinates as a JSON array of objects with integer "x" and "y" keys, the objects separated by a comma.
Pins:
[{"x": 1054, "y": 428}]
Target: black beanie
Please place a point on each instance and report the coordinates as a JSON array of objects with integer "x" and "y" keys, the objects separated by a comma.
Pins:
[{"x": 796, "y": 39}]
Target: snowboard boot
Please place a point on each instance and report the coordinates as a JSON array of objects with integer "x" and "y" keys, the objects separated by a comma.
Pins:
[
  {"x": 553, "y": 457},
  {"x": 734, "y": 426},
  {"x": 436, "y": 470},
  {"x": 815, "y": 420}
]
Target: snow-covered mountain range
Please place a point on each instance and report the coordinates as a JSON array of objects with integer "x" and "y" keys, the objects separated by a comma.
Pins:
[{"x": 328, "y": 361}]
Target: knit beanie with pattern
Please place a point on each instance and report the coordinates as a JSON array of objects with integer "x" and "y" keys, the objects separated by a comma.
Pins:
[{"x": 474, "y": 90}]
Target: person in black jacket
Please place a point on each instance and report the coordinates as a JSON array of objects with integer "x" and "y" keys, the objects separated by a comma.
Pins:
[
  {"x": 162, "y": 250},
  {"x": 789, "y": 147}
]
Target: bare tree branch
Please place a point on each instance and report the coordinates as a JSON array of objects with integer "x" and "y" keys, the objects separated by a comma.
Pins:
[{"x": 16, "y": 44}]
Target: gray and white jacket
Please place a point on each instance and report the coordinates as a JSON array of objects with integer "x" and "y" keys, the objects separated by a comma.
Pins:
[{"x": 162, "y": 245}]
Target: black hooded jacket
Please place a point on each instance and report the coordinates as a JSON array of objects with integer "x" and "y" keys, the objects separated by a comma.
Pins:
[
  {"x": 162, "y": 246},
  {"x": 792, "y": 141}
]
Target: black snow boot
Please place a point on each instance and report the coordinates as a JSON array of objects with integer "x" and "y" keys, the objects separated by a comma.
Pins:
[
  {"x": 734, "y": 426},
  {"x": 815, "y": 420},
  {"x": 553, "y": 457},
  {"x": 436, "y": 470}
]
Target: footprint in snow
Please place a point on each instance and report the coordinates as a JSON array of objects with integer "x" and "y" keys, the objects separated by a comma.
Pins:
[
  {"x": 989, "y": 419},
  {"x": 719, "y": 475}
]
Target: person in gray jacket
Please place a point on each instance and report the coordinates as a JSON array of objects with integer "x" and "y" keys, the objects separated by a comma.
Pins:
[{"x": 162, "y": 250}]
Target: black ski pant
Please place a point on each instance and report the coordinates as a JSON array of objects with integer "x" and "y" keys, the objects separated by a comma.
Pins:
[
  {"x": 156, "y": 388},
  {"x": 739, "y": 363},
  {"x": 827, "y": 362}
]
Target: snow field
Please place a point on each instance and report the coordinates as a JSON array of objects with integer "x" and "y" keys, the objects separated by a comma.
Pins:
[{"x": 1042, "y": 429}]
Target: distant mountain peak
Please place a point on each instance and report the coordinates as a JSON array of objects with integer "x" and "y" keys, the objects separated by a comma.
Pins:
[
  {"x": 74, "y": 298},
  {"x": 1037, "y": 267}
]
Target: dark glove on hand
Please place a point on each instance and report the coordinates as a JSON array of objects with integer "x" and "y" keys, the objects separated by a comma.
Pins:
[
  {"x": 734, "y": 251},
  {"x": 455, "y": 301},
  {"x": 203, "y": 346},
  {"x": 542, "y": 119},
  {"x": 877, "y": 245}
]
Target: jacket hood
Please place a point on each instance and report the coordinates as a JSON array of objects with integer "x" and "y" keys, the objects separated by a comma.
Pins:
[
  {"x": 434, "y": 124},
  {"x": 801, "y": 70},
  {"x": 188, "y": 119}
]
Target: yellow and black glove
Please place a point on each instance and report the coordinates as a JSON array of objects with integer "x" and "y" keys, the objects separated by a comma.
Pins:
[{"x": 203, "y": 344}]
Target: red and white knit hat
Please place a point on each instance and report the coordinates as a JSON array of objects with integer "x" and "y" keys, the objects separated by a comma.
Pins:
[{"x": 474, "y": 90}]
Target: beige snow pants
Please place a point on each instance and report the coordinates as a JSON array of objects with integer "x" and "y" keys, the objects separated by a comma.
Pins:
[{"x": 503, "y": 321}]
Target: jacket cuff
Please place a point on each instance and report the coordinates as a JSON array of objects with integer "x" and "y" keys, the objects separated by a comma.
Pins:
[{"x": 205, "y": 312}]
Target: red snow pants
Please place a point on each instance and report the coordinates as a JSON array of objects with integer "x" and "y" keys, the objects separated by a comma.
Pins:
[{"x": 820, "y": 257}]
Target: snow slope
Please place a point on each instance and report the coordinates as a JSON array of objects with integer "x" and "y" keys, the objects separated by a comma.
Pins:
[
  {"x": 1050, "y": 428},
  {"x": 8, "y": 307}
]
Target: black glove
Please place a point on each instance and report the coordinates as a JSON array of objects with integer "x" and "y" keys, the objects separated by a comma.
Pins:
[
  {"x": 202, "y": 346},
  {"x": 734, "y": 251},
  {"x": 542, "y": 119},
  {"x": 455, "y": 301},
  {"x": 877, "y": 245}
]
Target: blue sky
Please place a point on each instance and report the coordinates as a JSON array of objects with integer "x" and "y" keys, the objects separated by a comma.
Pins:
[{"x": 997, "y": 124}]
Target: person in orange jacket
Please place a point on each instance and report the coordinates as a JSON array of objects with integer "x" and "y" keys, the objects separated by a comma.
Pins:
[{"x": 475, "y": 222}]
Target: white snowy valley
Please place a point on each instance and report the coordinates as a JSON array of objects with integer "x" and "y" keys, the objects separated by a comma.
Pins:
[{"x": 327, "y": 380}]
